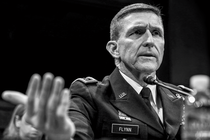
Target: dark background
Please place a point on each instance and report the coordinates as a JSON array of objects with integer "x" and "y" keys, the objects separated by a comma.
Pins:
[{"x": 68, "y": 38}]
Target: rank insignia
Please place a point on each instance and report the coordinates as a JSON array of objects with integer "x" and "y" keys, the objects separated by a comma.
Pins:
[
  {"x": 122, "y": 95},
  {"x": 123, "y": 116}
]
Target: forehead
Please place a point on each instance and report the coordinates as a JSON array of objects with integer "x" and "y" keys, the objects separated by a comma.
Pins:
[{"x": 142, "y": 18}]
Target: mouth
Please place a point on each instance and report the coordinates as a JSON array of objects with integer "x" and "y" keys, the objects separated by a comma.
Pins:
[
  {"x": 34, "y": 134},
  {"x": 147, "y": 54}
]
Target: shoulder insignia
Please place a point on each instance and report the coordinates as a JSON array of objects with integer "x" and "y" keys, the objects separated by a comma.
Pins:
[
  {"x": 178, "y": 95},
  {"x": 86, "y": 80},
  {"x": 183, "y": 116},
  {"x": 171, "y": 96}
]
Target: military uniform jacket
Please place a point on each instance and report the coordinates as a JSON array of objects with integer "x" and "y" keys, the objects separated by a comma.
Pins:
[{"x": 112, "y": 110}]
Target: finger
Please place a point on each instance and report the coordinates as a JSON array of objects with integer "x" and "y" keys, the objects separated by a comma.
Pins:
[
  {"x": 44, "y": 96},
  {"x": 33, "y": 88},
  {"x": 54, "y": 101},
  {"x": 14, "y": 97},
  {"x": 62, "y": 109},
  {"x": 62, "y": 113}
]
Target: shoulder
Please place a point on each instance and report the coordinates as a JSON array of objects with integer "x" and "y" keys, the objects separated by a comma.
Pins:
[
  {"x": 81, "y": 85},
  {"x": 88, "y": 85},
  {"x": 88, "y": 81},
  {"x": 84, "y": 81},
  {"x": 172, "y": 93}
]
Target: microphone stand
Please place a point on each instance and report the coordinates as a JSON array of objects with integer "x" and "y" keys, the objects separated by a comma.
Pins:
[
  {"x": 174, "y": 89},
  {"x": 151, "y": 80}
]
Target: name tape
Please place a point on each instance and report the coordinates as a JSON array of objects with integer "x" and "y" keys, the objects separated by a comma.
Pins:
[{"x": 125, "y": 129}]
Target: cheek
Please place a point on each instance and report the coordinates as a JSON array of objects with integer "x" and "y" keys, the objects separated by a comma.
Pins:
[
  {"x": 161, "y": 53},
  {"x": 25, "y": 128},
  {"x": 161, "y": 45},
  {"x": 127, "y": 52}
]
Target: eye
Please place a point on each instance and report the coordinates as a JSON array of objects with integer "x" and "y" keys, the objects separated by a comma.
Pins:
[
  {"x": 156, "y": 33},
  {"x": 139, "y": 32}
]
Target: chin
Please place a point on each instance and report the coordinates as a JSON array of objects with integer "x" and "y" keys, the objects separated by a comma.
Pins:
[
  {"x": 148, "y": 69},
  {"x": 148, "y": 66}
]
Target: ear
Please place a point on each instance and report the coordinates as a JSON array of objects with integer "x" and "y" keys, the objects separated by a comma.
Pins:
[
  {"x": 112, "y": 48},
  {"x": 17, "y": 121}
]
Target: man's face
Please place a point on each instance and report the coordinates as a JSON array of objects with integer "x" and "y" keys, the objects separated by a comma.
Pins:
[
  {"x": 27, "y": 132},
  {"x": 141, "y": 42}
]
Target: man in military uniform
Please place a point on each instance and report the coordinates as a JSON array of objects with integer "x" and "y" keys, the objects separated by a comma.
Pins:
[{"x": 122, "y": 105}]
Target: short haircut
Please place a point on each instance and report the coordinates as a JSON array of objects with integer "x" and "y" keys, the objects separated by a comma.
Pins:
[
  {"x": 11, "y": 132},
  {"x": 116, "y": 26}
]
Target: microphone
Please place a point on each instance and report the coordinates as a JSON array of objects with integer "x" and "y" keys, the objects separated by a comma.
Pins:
[{"x": 152, "y": 81}]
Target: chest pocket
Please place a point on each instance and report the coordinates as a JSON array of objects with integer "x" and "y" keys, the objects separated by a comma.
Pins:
[{"x": 124, "y": 130}]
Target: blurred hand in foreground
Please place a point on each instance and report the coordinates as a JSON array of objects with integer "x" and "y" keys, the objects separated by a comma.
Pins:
[{"x": 47, "y": 104}]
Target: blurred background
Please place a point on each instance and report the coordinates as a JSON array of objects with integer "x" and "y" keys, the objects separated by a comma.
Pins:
[{"x": 68, "y": 38}]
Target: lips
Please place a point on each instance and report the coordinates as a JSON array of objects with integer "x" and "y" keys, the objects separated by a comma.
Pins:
[
  {"x": 34, "y": 134},
  {"x": 147, "y": 54}
]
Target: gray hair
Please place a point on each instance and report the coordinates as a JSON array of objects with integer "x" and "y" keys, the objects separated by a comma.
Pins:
[{"x": 116, "y": 26}]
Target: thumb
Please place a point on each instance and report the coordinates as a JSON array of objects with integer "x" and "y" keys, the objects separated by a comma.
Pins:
[{"x": 15, "y": 97}]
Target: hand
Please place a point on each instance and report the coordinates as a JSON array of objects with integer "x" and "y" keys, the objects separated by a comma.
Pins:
[{"x": 47, "y": 107}]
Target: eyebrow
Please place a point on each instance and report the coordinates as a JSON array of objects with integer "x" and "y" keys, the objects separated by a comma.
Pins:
[
  {"x": 140, "y": 25},
  {"x": 133, "y": 28},
  {"x": 157, "y": 27}
]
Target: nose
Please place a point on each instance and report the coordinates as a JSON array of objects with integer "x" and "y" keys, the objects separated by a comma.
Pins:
[
  {"x": 34, "y": 129},
  {"x": 149, "y": 42}
]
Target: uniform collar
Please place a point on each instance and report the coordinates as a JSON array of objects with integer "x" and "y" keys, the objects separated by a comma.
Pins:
[{"x": 138, "y": 87}]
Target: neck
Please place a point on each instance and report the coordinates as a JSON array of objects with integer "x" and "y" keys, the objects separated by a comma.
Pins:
[{"x": 137, "y": 76}]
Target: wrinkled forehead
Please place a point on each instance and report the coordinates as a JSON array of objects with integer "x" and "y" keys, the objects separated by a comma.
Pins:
[
  {"x": 144, "y": 19},
  {"x": 138, "y": 7},
  {"x": 143, "y": 16}
]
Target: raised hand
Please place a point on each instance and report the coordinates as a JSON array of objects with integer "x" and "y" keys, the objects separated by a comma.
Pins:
[{"x": 47, "y": 107}]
